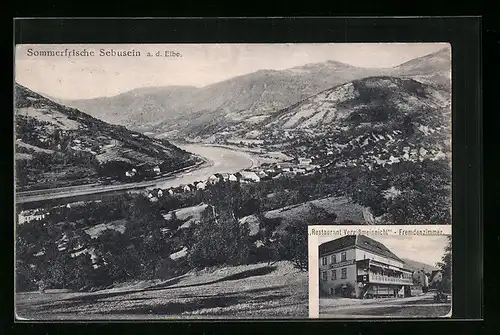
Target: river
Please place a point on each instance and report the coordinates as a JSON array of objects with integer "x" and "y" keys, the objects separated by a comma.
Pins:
[{"x": 220, "y": 160}]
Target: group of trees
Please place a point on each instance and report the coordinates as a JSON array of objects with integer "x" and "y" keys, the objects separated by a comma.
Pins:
[
  {"x": 57, "y": 250},
  {"x": 143, "y": 249},
  {"x": 425, "y": 190},
  {"x": 445, "y": 267}
]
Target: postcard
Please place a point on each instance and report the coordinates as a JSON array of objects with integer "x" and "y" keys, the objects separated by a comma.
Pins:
[{"x": 178, "y": 181}]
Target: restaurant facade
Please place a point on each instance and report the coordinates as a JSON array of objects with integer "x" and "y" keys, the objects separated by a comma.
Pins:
[{"x": 357, "y": 266}]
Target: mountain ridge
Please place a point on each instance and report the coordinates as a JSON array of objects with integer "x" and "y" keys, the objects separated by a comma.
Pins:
[
  {"x": 57, "y": 145},
  {"x": 178, "y": 111},
  {"x": 417, "y": 266}
]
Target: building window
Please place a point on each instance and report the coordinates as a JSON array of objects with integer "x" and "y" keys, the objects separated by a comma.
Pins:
[
  {"x": 344, "y": 273},
  {"x": 334, "y": 259},
  {"x": 324, "y": 275},
  {"x": 334, "y": 274},
  {"x": 323, "y": 261},
  {"x": 332, "y": 290},
  {"x": 343, "y": 257}
]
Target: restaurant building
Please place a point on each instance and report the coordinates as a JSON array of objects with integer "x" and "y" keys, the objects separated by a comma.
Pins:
[{"x": 359, "y": 267}]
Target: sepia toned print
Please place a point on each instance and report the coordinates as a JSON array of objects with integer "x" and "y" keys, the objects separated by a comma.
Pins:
[
  {"x": 383, "y": 272},
  {"x": 178, "y": 181}
]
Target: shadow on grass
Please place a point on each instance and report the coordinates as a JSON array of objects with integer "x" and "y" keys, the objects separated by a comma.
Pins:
[
  {"x": 237, "y": 276},
  {"x": 93, "y": 298},
  {"x": 242, "y": 275},
  {"x": 195, "y": 305},
  {"x": 246, "y": 292}
]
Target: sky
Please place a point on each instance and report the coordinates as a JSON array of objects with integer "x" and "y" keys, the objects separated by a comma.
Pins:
[
  {"x": 425, "y": 249},
  {"x": 200, "y": 65}
]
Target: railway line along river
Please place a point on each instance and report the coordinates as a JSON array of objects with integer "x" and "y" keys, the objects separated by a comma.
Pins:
[{"x": 218, "y": 160}]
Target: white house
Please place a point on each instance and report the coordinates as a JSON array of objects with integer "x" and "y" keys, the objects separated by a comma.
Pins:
[
  {"x": 365, "y": 265},
  {"x": 393, "y": 159},
  {"x": 285, "y": 166},
  {"x": 262, "y": 174},
  {"x": 250, "y": 176},
  {"x": 201, "y": 186},
  {"x": 232, "y": 177},
  {"x": 160, "y": 193},
  {"x": 170, "y": 192},
  {"x": 305, "y": 161},
  {"x": 439, "y": 155},
  {"x": 187, "y": 188},
  {"x": 213, "y": 179},
  {"x": 157, "y": 170},
  {"x": 179, "y": 254}
]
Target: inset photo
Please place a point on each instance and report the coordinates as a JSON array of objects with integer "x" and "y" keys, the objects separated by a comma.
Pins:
[{"x": 380, "y": 272}]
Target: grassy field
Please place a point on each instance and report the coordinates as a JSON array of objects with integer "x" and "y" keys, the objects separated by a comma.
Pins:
[{"x": 252, "y": 291}]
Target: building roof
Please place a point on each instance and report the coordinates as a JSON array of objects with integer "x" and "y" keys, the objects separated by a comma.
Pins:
[
  {"x": 360, "y": 241},
  {"x": 249, "y": 174}
]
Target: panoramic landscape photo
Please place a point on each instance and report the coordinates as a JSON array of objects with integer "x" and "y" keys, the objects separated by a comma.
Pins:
[{"x": 178, "y": 181}]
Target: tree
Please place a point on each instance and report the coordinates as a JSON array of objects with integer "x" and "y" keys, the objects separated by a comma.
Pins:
[
  {"x": 82, "y": 272},
  {"x": 58, "y": 269},
  {"x": 25, "y": 277},
  {"x": 294, "y": 245},
  {"x": 445, "y": 267},
  {"x": 320, "y": 216},
  {"x": 219, "y": 239}
]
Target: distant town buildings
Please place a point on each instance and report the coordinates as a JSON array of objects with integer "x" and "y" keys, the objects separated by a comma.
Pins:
[{"x": 305, "y": 161}]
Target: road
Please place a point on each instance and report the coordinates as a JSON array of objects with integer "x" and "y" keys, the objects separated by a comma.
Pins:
[
  {"x": 217, "y": 159},
  {"x": 419, "y": 306}
]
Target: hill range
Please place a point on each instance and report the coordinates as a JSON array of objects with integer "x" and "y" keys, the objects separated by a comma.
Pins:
[
  {"x": 185, "y": 111},
  {"x": 61, "y": 146}
]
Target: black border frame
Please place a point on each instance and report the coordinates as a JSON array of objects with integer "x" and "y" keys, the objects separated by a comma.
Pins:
[{"x": 464, "y": 34}]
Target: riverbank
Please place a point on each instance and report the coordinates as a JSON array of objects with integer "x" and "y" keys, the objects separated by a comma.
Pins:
[{"x": 214, "y": 160}]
